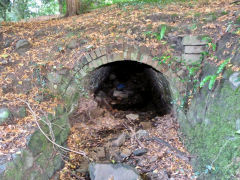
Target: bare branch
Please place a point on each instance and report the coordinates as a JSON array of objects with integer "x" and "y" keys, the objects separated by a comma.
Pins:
[{"x": 59, "y": 146}]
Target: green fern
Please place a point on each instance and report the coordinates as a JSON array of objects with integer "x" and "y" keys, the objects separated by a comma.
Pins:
[
  {"x": 223, "y": 65},
  {"x": 212, "y": 82}
]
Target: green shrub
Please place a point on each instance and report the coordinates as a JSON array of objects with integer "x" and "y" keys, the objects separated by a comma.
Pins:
[{"x": 85, "y": 6}]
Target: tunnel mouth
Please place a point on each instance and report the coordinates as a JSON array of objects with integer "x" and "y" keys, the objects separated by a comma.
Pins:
[{"x": 132, "y": 86}]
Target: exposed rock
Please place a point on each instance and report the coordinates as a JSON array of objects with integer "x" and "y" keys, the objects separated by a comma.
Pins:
[
  {"x": 193, "y": 41},
  {"x": 120, "y": 140},
  {"x": 194, "y": 49},
  {"x": 156, "y": 175},
  {"x": 125, "y": 153},
  {"x": 23, "y": 46},
  {"x": 142, "y": 134},
  {"x": 132, "y": 117},
  {"x": 192, "y": 58},
  {"x": 27, "y": 159},
  {"x": 100, "y": 153},
  {"x": 72, "y": 44},
  {"x": 225, "y": 51},
  {"x": 140, "y": 152},
  {"x": 235, "y": 79},
  {"x": 153, "y": 159},
  {"x": 4, "y": 115},
  {"x": 120, "y": 94},
  {"x": 146, "y": 125},
  {"x": 112, "y": 172},
  {"x": 83, "y": 167}
]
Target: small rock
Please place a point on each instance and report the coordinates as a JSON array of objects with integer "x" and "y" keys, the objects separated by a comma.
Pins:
[
  {"x": 120, "y": 94},
  {"x": 235, "y": 79},
  {"x": 153, "y": 159},
  {"x": 193, "y": 41},
  {"x": 100, "y": 153},
  {"x": 142, "y": 134},
  {"x": 83, "y": 167},
  {"x": 146, "y": 125},
  {"x": 126, "y": 152},
  {"x": 72, "y": 44},
  {"x": 120, "y": 140},
  {"x": 132, "y": 117},
  {"x": 89, "y": 47},
  {"x": 22, "y": 46},
  {"x": 4, "y": 115},
  {"x": 140, "y": 152},
  {"x": 112, "y": 172}
]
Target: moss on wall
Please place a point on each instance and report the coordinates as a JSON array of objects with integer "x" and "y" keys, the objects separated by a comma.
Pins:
[{"x": 211, "y": 135}]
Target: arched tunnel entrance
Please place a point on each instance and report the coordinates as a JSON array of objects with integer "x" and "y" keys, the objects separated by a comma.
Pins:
[
  {"x": 126, "y": 120},
  {"x": 131, "y": 86}
]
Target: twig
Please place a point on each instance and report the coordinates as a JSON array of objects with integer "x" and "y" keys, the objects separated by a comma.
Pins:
[
  {"x": 179, "y": 154},
  {"x": 59, "y": 146}
]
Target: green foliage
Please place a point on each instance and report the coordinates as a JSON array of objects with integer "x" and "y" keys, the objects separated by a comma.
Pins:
[
  {"x": 86, "y": 5},
  {"x": 212, "y": 78},
  {"x": 158, "y": 35},
  {"x": 162, "y": 33}
]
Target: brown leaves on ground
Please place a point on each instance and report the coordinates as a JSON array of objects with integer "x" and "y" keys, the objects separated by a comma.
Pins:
[
  {"x": 98, "y": 28},
  {"x": 95, "y": 135}
]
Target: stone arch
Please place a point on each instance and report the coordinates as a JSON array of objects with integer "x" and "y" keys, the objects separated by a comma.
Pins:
[{"x": 94, "y": 59}]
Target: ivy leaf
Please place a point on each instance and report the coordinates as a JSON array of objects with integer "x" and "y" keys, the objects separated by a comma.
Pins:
[
  {"x": 4, "y": 55},
  {"x": 163, "y": 30},
  {"x": 212, "y": 82},
  {"x": 203, "y": 82},
  {"x": 214, "y": 47}
]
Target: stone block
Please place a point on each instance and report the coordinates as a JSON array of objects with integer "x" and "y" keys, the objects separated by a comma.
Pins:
[
  {"x": 98, "y": 52},
  {"x": 103, "y": 51},
  {"x": 129, "y": 52},
  {"x": 194, "y": 49},
  {"x": 110, "y": 58},
  {"x": 193, "y": 40},
  {"x": 93, "y": 55},
  {"x": 145, "y": 58},
  {"x": 104, "y": 60},
  {"x": 83, "y": 73},
  {"x": 88, "y": 57},
  {"x": 154, "y": 64},
  {"x": 192, "y": 58},
  {"x": 235, "y": 79},
  {"x": 91, "y": 65},
  {"x": 84, "y": 60},
  {"x": 118, "y": 56},
  {"x": 134, "y": 55}
]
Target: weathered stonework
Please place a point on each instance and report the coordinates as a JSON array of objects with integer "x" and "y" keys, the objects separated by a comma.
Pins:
[{"x": 194, "y": 46}]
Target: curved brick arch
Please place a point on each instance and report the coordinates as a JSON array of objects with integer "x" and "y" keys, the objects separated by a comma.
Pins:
[{"x": 120, "y": 52}]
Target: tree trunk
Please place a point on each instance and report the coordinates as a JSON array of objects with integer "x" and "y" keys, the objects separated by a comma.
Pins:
[
  {"x": 72, "y": 7},
  {"x": 60, "y": 2}
]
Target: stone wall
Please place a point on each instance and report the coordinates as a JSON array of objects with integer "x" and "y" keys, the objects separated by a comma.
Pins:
[{"x": 40, "y": 160}]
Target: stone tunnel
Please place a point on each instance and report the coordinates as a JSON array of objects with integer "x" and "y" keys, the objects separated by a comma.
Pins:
[{"x": 161, "y": 83}]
